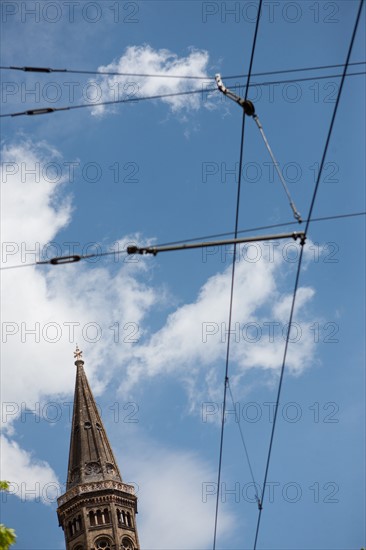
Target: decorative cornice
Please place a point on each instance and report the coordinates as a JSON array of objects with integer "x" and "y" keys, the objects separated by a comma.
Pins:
[{"x": 95, "y": 487}]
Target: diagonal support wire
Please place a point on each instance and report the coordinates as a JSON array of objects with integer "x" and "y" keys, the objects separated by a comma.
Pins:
[
  {"x": 237, "y": 420},
  {"x": 249, "y": 110},
  {"x": 297, "y": 215}
]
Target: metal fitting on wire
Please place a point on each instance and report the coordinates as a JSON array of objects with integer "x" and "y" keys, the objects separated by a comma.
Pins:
[{"x": 247, "y": 105}]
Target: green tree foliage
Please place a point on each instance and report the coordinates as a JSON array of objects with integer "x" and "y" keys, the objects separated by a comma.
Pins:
[{"x": 7, "y": 536}]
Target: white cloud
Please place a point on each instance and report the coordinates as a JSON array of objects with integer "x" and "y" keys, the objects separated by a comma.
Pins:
[
  {"x": 105, "y": 306},
  {"x": 29, "y": 478},
  {"x": 146, "y": 60},
  {"x": 268, "y": 354},
  {"x": 42, "y": 318},
  {"x": 192, "y": 343},
  {"x": 33, "y": 211},
  {"x": 176, "y": 505}
]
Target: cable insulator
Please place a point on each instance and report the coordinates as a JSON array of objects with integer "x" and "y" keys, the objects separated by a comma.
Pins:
[{"x": 65, "y": 260}]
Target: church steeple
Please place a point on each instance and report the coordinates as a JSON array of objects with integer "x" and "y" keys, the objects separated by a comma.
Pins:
[
  {"x": 91, "y": 457},
  {"x": 97, "y": 512}
]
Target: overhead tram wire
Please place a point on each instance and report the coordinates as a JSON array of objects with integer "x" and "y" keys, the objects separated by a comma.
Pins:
[
  {"x": 48, "y": 70},
  {"x": 259, "y": 228},
  {"x": 48, "y": 110},
  {"x": 226, "y": 380},
  {"x": 57, "y": 259},
  {"x": 300, "y": 263},
  {"x": 287, "y": 71},
  {"x": 154, "y": 250}
]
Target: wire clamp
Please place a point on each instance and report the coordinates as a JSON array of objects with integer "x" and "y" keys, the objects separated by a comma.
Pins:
[
  {"x": 301, "y": 236},
  {"x": 297, "y": 214},
  {"x": 142, "y": 250},
  {"x": 134, "y": 250},
  {"x": 247, "y": 105}
]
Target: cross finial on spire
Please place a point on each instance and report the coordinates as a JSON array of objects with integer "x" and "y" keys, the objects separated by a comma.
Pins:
[{"x": 77, "y": 353}]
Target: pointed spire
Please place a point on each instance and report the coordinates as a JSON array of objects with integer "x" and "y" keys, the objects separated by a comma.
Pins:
[{"x": 91, "y": 457}]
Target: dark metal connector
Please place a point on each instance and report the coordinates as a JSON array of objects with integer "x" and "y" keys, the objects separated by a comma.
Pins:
[
  {"x": 301, "y": 236},
  {"x": 247, "y": 105},
  {"x": 133, "y": 250}
]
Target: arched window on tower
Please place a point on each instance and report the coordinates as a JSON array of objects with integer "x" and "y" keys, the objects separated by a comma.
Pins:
[
  {"x": 129, "y": 521},
  {"x": 103, "y": 543},
  {"x": 79, "y": 523},
  {"x": 106, "y": 515},
  {"x": 74, "y": 526},
  {"x": 99, "y": 517},
  {"x": 127, "y": 544},
  {"x": 92, "y": 518}
]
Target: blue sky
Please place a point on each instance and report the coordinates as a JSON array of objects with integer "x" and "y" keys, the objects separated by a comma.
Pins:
[{"x": 154, "y": 329}]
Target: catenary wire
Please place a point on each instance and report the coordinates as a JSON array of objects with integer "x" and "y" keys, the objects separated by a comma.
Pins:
[
  {"x": 157, "y": 75},
  {"x": 226, "y": 380},
  {"x": 48, "y": 110},
  {"x": 201, "y": 238},
  {"x": 287, "y": 71},
  {"x": 331, "y": 125},
  {"x": 262, "y": 228}
]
